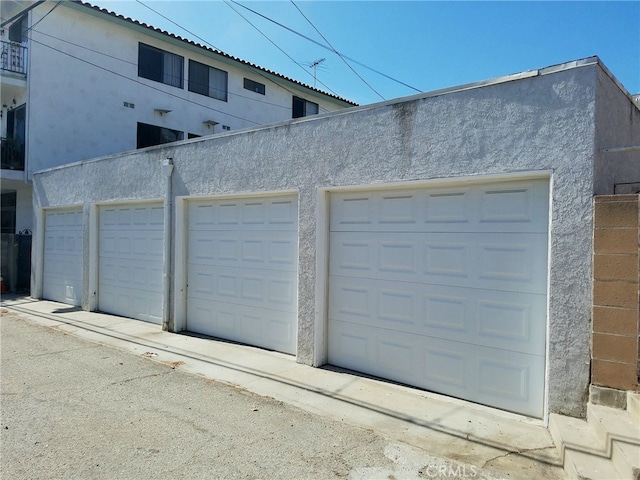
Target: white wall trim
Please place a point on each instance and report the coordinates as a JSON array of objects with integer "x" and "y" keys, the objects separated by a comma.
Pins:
[
  {"x": 320, "y": 355},
  {"x": 93, "y": 256},
  {"x": 37, "y": 255},
  {"x": 180, "y": 270},
  {"x": 462, "y": 180}
]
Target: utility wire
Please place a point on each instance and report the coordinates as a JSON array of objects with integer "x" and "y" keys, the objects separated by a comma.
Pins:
[
  {"x": 325, "y": 46},
  {"x": 336, "y": 52},
  {"x": 146, "y": 85},
  {"x": 219, "y": 50},
  {"x": 272, "y": 42},
  {"x": 45, "y": 15},
  {"x": 135, "y": 65}
]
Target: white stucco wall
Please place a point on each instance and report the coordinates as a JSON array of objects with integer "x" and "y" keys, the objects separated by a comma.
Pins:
[
  {"x": 542, "y": 123},
  {"x": 617, "y": 139},
  {"x": 24, "y": 209}
]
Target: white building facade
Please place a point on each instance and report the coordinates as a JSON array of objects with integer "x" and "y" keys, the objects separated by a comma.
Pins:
[{"x": 79, "y": 82}]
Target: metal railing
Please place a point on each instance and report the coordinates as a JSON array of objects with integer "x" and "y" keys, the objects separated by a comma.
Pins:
[
  {"x": 11, "y": 154},
  {"x": 14, "y": 58}
]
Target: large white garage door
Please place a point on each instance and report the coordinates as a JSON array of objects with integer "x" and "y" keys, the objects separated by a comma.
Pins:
[
  {"x": 242, "y": 270},
  {"x": 130, "y": 261},
  {"x": 444, "y": 289},
  {"x": 62, "y": 275}
]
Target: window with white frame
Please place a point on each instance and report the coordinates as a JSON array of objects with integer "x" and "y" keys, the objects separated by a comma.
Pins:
[
  {"x": 302, "y": 107},
  {"x": 160, "y": 66},
  {"x": 206, "y": 80}
]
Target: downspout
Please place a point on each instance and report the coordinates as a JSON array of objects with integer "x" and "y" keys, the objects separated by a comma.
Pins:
[{"x": 167, "y": 168}]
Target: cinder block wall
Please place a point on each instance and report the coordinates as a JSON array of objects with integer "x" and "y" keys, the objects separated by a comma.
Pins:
[{"x": 616, "y": 308}]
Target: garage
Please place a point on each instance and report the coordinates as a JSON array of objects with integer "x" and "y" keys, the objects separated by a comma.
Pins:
[
  {"x": 62, "y": 272},
  {"x": 242, "y": 258},
  {"x": 130, "y": 253},
  {"x": 444, "y": 288}
]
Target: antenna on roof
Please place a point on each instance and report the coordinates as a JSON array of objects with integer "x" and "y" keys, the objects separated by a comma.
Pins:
[{"x": 314, "y": 65}]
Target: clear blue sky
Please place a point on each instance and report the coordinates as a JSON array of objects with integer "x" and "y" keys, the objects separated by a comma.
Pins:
[{"x": 425, "y": 44}]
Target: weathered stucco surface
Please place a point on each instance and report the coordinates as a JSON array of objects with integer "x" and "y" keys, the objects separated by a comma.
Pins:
[
  {"x": 617, "y": 167},
  {"x": 543, "y": 122}
]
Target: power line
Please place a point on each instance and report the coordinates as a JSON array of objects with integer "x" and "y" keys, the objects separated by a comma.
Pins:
[
  {"x": 45, "y": 16},
  {"x": 325, "y": 46},
  {"x": 19, "y": 14},
  {"x": 135, "y": 64},
  {"x": 273, "y": 43},
  {"x": 336, "y": 52},
  {"x": 144, "y": 84},
  {"x": 219, "y": 50}
]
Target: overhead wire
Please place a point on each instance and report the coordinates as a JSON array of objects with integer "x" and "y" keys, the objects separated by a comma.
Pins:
[
  {"x": 31, "y": 29},
  {"x": 135, "y": 64},
  {"x": 144, "y": 84},
  {"x": 45, "y": 15},
  {"x": 337, "y": 52},
  {"x": 325, "y": 46},
  {"x": 220, "y": 50},
  {"x": 272, "y": 42}
]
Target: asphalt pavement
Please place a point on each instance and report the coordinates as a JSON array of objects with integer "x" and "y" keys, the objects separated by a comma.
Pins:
[
  {"x": 89, "y": 395},
  {"x": 74, "y": 409}
]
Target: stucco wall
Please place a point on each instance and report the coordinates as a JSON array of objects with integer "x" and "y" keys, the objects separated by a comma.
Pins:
[
  {"x": 538, "y": 123},
  {"x": 618, "y": 126}
]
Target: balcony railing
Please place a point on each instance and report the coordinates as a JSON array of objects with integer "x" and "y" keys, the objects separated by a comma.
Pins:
[
  {"x": 14, "y": 58},
  {"x": 11, "y": 154}
]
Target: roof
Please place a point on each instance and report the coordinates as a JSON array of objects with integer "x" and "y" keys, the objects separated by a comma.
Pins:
[{"x": 207, "y": 49}]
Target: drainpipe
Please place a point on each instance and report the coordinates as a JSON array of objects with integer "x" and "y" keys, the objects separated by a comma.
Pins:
[{"x": 167, "y": 168}]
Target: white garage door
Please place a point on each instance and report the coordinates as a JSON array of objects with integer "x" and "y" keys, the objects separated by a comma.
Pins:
[
  {"x": 242, "y": 270},
  {"x": 62, "y": 274},
  {"x": 130, "y": 261},
  {"x": 444, "y": 289}
]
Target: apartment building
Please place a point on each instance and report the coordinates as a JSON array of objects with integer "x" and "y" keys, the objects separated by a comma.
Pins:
[{"x": 80, "y": 82}]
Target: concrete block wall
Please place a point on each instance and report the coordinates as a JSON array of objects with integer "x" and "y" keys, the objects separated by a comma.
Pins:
[{"x": 616, "y": 298}]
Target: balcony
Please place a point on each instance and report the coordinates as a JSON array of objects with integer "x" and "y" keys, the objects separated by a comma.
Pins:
[
  {"x": 14, "y": 58},
  {"x": 12, "y": 154}
]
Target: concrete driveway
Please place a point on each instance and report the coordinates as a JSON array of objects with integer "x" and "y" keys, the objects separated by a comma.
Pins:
[{"x": 74, "y": 408}]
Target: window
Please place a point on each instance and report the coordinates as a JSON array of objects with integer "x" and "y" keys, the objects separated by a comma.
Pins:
[
  {"x": 150, "y": 135},
  {"x": 160, "y": 66},
  {"x": 254, "y": 86},
  {"x": 18, "y": 31},
  {"x": 302, "y": 107},
  {"x": 207, "y": 80}
]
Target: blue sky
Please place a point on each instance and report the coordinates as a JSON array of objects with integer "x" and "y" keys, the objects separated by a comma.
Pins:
[{"x": 426, "y": 45}]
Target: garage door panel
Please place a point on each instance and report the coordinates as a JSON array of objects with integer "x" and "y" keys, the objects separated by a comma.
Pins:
[
  {"x": 255, "y": 287},
  {"x": 505, "y": 380},
  {"x": 444, "y": 288},
  {"x": 132, "y": 245},
  {"x": 62, "y": 268},
  {"x": 139, "y": 304},
  {"x": 272, "y": 213},
  {"x": 496, "y": 207},
  {"x": 256, "y": 326},
  {"x": 269, "y": 249},
  {"x": 491, "y": 318},
  {"x": 135, "y": 274},
  {"x": 142, "y": 217},
  {"x": 242, "y": 257},
  {"x": 510, "y": 262},
  {"x": 130, "y": 255}
]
